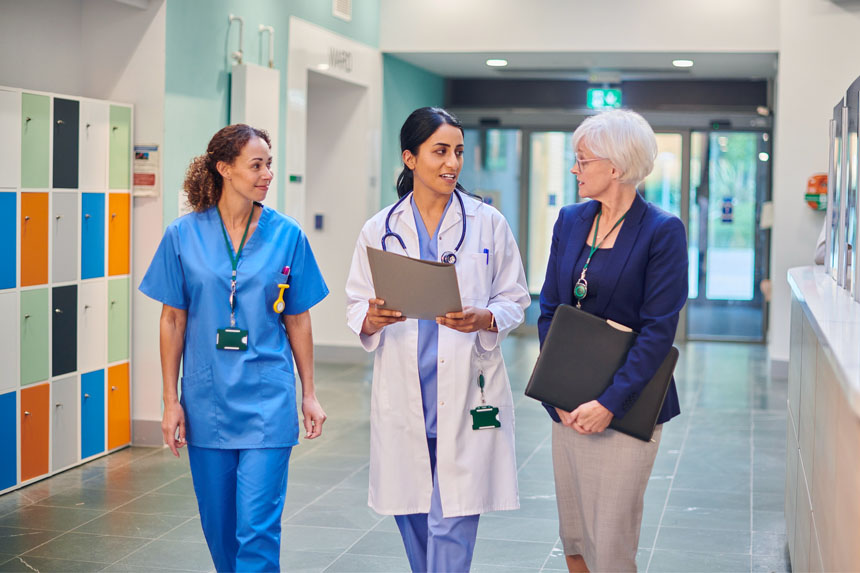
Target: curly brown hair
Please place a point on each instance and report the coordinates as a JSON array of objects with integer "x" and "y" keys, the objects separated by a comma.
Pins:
[{"x": 203, "y": 183}]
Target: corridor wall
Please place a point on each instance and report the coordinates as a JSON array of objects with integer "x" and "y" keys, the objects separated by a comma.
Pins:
[{"x": 65, "y": 215}]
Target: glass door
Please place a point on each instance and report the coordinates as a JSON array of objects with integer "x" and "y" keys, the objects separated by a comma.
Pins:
[{"x": 729, "y": 180}]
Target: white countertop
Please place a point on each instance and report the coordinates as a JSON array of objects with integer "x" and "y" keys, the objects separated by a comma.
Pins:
[{"x": 835, "y": 316}]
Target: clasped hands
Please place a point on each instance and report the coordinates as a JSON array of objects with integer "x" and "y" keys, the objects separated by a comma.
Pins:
[
  {"x": 588, "y": 418},
  {"x": 470, "y": 319}
]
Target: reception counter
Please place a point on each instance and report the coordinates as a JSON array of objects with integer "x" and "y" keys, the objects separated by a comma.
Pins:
[{"x": 822, "y": 482}]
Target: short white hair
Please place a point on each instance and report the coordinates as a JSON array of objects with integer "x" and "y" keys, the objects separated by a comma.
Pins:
[{"x": 624, "y": 138}]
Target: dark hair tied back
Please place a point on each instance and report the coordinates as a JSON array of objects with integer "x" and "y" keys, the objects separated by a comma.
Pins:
[
  {"x": 203, "y": 183},
  {"x": 418, "y": 127}
]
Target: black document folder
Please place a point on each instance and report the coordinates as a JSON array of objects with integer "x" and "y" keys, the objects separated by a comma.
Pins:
[{"x": 578, "y": 360}]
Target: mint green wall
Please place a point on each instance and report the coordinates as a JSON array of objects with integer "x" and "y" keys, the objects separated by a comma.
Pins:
[
  {"x": 405, "y": 88},
  {"x": 197, "y": 86}
]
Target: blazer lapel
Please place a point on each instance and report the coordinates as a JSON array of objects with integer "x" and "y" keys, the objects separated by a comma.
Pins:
[
  {"x": 621, "y": 251},
  {"x": 572, "y": 246}
]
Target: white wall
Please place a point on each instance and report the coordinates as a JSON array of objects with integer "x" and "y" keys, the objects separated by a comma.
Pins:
[
  {"x": 106, "y": 50},
  {"x": 817, "y": 62},
  {"x": 578, "y": 25}
]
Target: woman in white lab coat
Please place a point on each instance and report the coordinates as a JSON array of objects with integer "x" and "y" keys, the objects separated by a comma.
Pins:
[{"x": 428, "y": 466}]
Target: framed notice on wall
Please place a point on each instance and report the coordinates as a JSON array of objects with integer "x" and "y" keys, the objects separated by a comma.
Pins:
[{"x": 147, "y": 172}]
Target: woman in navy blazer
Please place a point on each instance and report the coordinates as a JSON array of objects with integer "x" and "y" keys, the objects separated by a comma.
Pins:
[{"x": 635, "y": 260}]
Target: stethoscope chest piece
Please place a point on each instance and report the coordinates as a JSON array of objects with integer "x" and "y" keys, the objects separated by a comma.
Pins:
[{"x": 449, "y": 258}]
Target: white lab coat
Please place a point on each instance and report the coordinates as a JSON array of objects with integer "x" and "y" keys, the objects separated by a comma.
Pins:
[{"x": 476, "y": 468}]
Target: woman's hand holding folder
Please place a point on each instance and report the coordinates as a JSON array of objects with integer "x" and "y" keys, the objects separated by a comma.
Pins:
[{"x": 588, "y": 418}]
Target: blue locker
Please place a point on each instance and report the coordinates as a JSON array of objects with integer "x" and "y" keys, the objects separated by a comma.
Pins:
[
  {"x": 92, "y": 235},
  {"x": 92, "y": 413},
  {"x": 8, "y": 441},
  {"x": 8, "y": 239}
]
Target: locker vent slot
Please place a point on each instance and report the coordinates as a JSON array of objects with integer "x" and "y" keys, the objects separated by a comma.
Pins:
[{"x": 342, "y": 9}]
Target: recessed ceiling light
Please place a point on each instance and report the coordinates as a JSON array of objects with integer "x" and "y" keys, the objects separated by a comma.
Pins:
[
  {"x": 682, "y": 63},
  {"x": 497, "y": 63}
]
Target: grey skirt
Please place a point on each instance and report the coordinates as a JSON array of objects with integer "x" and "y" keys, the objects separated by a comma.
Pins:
[{"x": 600, "y": 482}]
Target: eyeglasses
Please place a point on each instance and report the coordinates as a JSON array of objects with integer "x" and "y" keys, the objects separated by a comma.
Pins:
[{"x": 579, "y": 161}]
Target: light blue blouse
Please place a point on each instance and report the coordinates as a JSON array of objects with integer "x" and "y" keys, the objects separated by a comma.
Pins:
[
  {"x": 236, "y": 399},
  {"x": 428, "y": 330}
]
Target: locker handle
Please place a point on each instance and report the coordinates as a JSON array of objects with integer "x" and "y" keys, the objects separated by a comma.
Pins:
[
  {"x": 58, "y": 311},
  {"x": 60, "y": 122},
  {"x": 112, "y": 388},
  {"x": 86, "y": 215},
  {"x": 58, "y": 405},
  {"x": 26, "y": 217},
  {"x": 26, "y": 316},
  {"x": 86, "y": 396},
  {"x": 114, "y": 128},
  {"x": 26, "y": 413},
  {"x": 88, "y": 125},
  {"x": 113, "y": 215},
  {"x": 29, "y": 119},
  {"x": 113, "y": 302},
  {"x": 86, "y": 307},
  {"x": 59, "y": 217}
]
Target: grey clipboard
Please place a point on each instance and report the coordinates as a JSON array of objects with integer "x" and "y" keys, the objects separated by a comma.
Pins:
[{"x": 418, "y": 289}]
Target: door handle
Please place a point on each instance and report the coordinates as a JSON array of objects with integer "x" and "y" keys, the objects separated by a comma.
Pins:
[{"x": 58, "y": 311}]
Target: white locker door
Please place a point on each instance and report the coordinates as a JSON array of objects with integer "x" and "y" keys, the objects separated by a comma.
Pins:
[
  {"x": 92, "y": 325},
  {"x": 94, "y": 139},
  {"x": 9, "y": 336},
  {"x": 10, "y": 139}
]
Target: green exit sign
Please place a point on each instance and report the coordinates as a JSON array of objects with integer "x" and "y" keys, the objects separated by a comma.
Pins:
[{"x": 604, "y": 98}]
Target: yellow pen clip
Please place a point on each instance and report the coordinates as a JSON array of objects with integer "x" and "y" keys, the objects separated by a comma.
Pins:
[{"x": 279, "y": 304}]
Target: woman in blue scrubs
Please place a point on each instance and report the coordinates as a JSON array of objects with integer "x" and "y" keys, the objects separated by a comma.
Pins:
[{"x": 217, "y": 272}]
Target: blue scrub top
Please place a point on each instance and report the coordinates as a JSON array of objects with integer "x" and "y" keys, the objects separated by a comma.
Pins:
[
  {"x": 236, "y": 399},
  {"x": 428, "y": 330}
]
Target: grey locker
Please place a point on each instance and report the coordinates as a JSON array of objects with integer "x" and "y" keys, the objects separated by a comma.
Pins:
[
  {"x": 64, "y": 431},
  {"x": 9, "y": 341},
  {"x": 10, "y": 139},
  {"x": 64, "y": 219}
]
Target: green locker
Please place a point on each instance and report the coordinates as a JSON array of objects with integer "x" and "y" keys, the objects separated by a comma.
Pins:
[
  {"x": 35, "y": 350},
  {"x": 120, "y": 148},
  {"x": 35, "y": 137},
  {"x": 118, "y": 320}
]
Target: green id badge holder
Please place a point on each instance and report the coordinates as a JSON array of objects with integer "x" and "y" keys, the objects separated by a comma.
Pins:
[
  {"x": 231, "y": 339},
  {"x": 484, "y": 417}
]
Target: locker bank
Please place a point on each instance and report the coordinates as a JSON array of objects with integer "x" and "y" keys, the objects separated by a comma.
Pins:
[{"x": 103, "y": 104}]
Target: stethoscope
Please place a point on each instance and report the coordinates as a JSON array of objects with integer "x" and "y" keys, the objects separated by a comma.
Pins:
[{"x": 449, "y": 257}]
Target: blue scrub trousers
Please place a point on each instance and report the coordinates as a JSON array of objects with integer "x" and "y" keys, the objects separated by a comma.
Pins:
[
  {"x": 435, "y": 543},
  {"x": 240, "y": 494}
]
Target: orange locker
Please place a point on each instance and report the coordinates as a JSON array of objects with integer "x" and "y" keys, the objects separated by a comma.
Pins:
[
  {"x": 119, "y": 406},
  {"x": 118, "y": 234},
  {"x": 34, "y": 239},
  {"x": 35, "y": 430}
]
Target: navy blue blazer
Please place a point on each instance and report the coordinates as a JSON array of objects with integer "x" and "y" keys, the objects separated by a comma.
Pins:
[{"x": 645, "y": 289}]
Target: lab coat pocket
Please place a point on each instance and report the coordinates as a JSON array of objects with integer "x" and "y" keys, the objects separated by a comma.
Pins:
[{"x": 475, "y": 276}]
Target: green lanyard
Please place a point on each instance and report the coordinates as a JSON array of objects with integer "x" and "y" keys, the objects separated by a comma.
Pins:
[
  {"x": 580, "y": 290},
  {"x": 234, "y": 260}
]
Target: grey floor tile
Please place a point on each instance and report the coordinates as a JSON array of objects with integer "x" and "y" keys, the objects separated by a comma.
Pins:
[
  {"x": 12, "y": 501},
  {"x": 179, "y": 486},
  {"x": 713, "y": 480},
  {"x": 86, "y": 547},
  {"x": 387, "y": 524},
  {"x": 14, "y": 541},
  {"x": 381, "y": 543},
  {"x": 771, "y": 564},
  {"x": 132, "y": 525},
  {"x": 90, "y": 498},
  {"x": 28, "y": 564},
  {"x": 125, "y": 568},
  {"x": 514, "y": 527},
  {"x": 663, "y": 561},
  {"x": 161, "y": 504},
  {"x": 511, "y": 553},
  {"x": 768, "y": 501},
  {"x": 350, "y": 563},
  {"x": 767, "y": 543},
  {"x": 167, "y": 554},
  {"x": 703, "y": 540},
  {"x": 685, "y": 498},
  {"x": 484, "y": 568},
  {"x": 191, "y": 530},
  {"x": 318, "y": 539},
  {"x": 306, "y": 561},
  {"x": 770, "y": 521},
  {"x": 362, "y": 518},
  {"x": 344, "y": 496},
  {"x": 49, "y": 518},
  {"x": 707, "y": 518}
]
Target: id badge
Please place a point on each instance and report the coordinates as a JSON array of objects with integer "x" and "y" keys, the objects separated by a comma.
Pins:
[
  {"x": 231, "y": 339},
  {"x": 485, "y": 417}
]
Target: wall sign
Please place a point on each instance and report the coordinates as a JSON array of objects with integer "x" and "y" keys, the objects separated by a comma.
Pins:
[{"x": 340, "y": 59}]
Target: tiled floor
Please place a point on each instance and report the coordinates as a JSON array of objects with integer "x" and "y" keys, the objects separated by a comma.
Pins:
[{"x": 714, "y": 502}]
